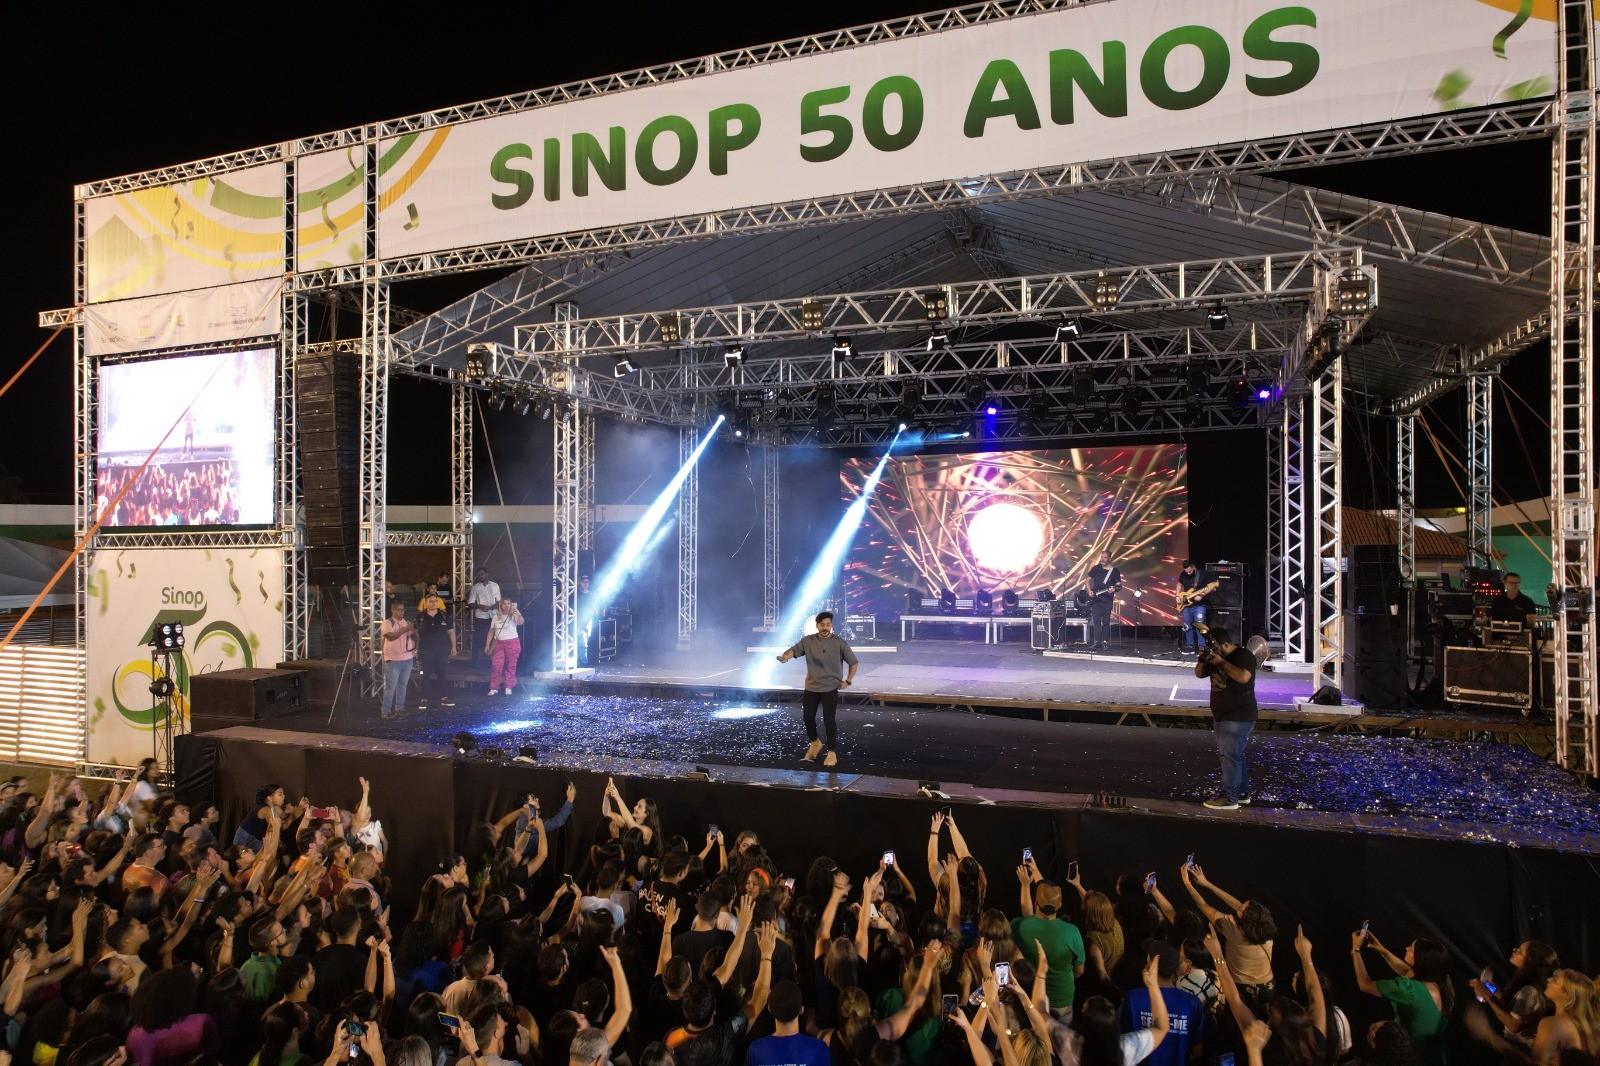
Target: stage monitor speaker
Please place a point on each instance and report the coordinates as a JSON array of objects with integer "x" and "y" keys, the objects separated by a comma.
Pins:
[
  {"x": 1229, "y": 593},
  {"x": 1374, "y": 578},
  {"x": 1489, "y": 677},
  {"x": 1375, "y": 660},
  {"x": 231, "y": 697},
  {"x": 322, "y": 680}
]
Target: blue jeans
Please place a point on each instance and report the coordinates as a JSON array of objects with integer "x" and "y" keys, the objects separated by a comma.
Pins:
[
  {"x": 1191, "y": 615},
  {"x": 396, "y": 673},
  {"x": 1232, "y": 737}
]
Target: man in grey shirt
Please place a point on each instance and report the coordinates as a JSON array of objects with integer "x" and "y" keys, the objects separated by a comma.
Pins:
[{"x": 824, "y": 653}]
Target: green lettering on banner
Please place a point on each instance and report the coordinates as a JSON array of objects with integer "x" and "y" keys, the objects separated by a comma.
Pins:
[
  {"x": 644, "y": 153},
  {"x": 501, "y": 170},
  {"x": 610, "y": 166},
  {"x": 1017, "y": 101},
  {"x": 1303, "y": 59},
  {"x": 1214, "y": 75},
  {"x": 722, "y": 141},
  {"x": 552, "y": 169},
  {"x": 873, "y": 126},
  {"x": 812, "y": 120},
  {"x": 1070, "y": 70}
]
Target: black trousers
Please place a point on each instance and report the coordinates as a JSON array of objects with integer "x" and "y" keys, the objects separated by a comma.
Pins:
[
  {"x": 1099, "y": 621},
  {"x": 829, "y": 702},
  {"x": 479, "y": 628},
  {"x": 434, "y": 662}
]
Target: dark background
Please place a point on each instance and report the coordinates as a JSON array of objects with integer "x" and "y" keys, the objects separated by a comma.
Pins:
[{"x": 132, "y": 93}]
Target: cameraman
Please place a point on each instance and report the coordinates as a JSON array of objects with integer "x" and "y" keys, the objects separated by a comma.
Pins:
[{"x": 1232, "y": 671}]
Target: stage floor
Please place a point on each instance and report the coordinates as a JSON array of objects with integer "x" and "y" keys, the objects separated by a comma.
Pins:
[{"x": 1433, "y": 788}]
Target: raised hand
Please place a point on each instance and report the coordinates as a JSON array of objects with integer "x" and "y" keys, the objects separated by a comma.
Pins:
[
  {"x": 572, "y": 792},
  {"x": 1257, "y": 1036},
  {"x": 984, "y": 951},
  {"x": 1302, "y": 943},
  {"x": 747, "y": 909},
  {"x": 1043, "y": 965},
  {"x": 1152, "y": 974},
  {"x": 767, "y": 938},
  {"x": 1358, "y": 939},
  {"x": 938, "y": 822},
  {"x": 1213, "y": 945},
  {"x": 670, "y": 918}
]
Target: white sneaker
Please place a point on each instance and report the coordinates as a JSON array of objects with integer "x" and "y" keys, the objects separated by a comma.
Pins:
[{"x": 494, "y": 692}]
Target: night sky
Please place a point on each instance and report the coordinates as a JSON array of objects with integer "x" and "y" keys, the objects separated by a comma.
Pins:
[{"x": 127, "y": 90}]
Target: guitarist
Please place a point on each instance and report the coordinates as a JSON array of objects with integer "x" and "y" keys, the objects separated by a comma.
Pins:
[
  {"x": 1104, "y": 581},
  {"x": 1194, "y": 585}
]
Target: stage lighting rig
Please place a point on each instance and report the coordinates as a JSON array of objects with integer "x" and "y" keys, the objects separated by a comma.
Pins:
[
  {"x": 1217, "y": 318},
  {"x": 1107, "y": 292},
  {"x": 1010, "y": 603},
  {"x": 939, "y": 340},
  {"x": 522, "y": 404},
  {"x": 1132, "y": 401},
  {"x": 162, "y": 688},
  {"x": 843, "y": 348},
  {"x": 670, "y": 327},
  {"x": 975, "y": 392},
  {"x": 947, "y": 601},
  {"x": 936, "y": 305},
  {"x": 623, "y": 368},
  {"x": 464, "y": 742},
  {"x": 1067, "y": 329},
  {"x": 811, "y": 315},
  {"x": 733, "y": 356},
  {"x": 168, "y": 638},
  {"x": 983, "y": 602},
  {"x": 1083, "y": 384},
  {"x": 478, "y": 358},
  {"x": 1354, "y": 293},
  {"x": 499, "y": 396}
]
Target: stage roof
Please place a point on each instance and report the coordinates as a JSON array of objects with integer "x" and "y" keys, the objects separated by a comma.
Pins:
[{"x": 1447, "y": 286}]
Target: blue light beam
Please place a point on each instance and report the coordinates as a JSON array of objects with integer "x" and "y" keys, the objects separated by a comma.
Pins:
[
  {"x": 819, "y": 580},
  {"x": 640, "y": 541}
]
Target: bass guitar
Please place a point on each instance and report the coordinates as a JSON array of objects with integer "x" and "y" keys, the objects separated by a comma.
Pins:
[{"x": 1187, "y": 596}]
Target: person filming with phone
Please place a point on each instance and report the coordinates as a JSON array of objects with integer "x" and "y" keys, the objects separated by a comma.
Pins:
[
  {"x": 1232, "y": 671},
  {"x": 504, "y": 647}
]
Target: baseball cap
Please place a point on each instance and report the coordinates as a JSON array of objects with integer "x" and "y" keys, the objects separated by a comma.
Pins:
[
  {"x": 1166, "y": 957},
  {"x": 1047, "y": 897}
]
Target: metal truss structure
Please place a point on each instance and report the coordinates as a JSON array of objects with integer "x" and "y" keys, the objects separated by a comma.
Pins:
[
  {"x": 771, "y": 559},
  {"x": 1572, "y": 355},
  {"x": 1405, "y": 478},
  {"x": 688, "y": 539},
  {"x": 1386, "y": 232},
  {"x": 1480, "y": 466},
  {"x": 1213, "y": 283},
  {"x": 1162, "y": 375},
  {"x": 1327, "y": 503}
]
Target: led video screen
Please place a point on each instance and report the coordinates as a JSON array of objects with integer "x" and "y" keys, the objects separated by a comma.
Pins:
[
  {"x": 1023, "y": 521},
  {"x": 206, "y": 421}
]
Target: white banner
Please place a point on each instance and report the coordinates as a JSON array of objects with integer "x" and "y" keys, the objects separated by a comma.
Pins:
[
  {"x": 190, "y": 235},
  {"x": 230, "y": 601},
  {"x": 185, "y": 319},
  {"x": 1102, "y": 80}
]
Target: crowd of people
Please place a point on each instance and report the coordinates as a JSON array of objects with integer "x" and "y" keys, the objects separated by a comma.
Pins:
[
  {"x": 140, "y": 929},
  {"x": 194, "y": 492}
]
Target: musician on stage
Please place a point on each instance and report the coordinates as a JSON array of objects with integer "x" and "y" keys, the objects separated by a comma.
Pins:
[
  {"x": 1104, "y": 581},
  {"x": 1192, "y": 588}
]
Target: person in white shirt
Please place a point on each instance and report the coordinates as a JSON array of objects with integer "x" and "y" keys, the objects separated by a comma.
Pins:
[
  {"x": 504, "y": 647},
  {"x": 481, "y": 600}
]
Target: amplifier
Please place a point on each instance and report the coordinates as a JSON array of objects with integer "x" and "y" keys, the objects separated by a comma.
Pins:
[
  {"x": 859, "y": 627},
  {"x": 1489, "y": 677},
  {"x": 1230, "y": 584}
]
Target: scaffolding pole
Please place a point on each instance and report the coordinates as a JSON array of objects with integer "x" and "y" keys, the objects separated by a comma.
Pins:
[
  {"x": 1572, "y": 487},
  {"x": 1480, "y": 467},
  {"x": 1276, "y": 601},
  {"x": 771, "y": 512},
  {"x": 1327, "y": 411},
  {"x": 1405, "y": 520},
  {"x": 568, "y": 522}
]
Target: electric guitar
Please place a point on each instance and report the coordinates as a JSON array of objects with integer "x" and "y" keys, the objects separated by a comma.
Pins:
[{"x": 1187, "y": 596}]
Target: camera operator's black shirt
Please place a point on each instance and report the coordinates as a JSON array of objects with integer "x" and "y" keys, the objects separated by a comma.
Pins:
[
  {"x": 1231, "y": 701},
  {"x": 1504, "y": 609}
]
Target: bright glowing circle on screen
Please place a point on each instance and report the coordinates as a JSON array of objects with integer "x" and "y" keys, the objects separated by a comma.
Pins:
[{"x": 1005, "y": 538}]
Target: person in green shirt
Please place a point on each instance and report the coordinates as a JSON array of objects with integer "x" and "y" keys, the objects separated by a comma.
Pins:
[
  {"x": 260, "y": 971},
  {"x": 1420, "y": 991},
  {"x": 1041, "y": 929}
]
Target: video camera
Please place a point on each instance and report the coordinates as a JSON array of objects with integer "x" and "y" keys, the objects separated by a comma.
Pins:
[{"x": 1210, "y": 645}]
